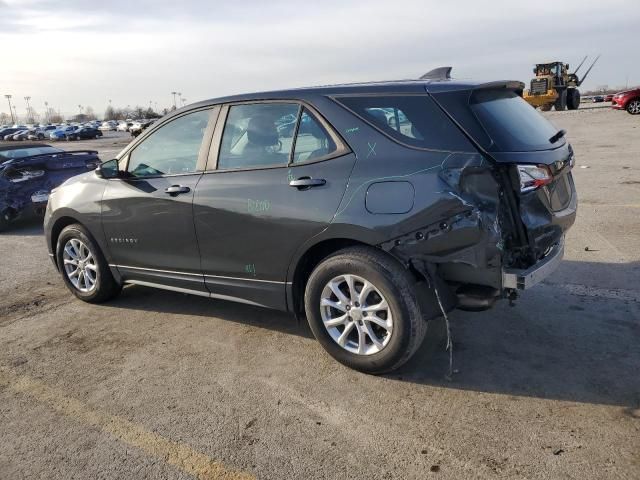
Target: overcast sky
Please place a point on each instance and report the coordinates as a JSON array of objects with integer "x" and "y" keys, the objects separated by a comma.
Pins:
[{"x": 71, "y": 52}]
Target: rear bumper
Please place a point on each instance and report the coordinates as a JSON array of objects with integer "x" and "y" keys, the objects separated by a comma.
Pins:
[{"x": 524, "y": 279}]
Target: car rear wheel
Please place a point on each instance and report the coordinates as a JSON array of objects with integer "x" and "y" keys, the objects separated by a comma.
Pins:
[
  {"x": 83, "y": 267},
  {"x": 362, "y": 308},
  {"x": 634, "y": 107}
]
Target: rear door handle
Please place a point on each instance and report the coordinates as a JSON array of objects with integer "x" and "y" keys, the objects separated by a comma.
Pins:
[
  {"x": 304, "y": 183},
  {"x": 176, "y": 190}
]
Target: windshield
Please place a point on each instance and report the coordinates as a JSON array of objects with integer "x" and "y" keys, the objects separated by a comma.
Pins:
[{"x": 512, "y": 124}]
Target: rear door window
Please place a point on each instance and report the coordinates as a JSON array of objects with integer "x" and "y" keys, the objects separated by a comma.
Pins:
[
  {"x": 313, "y": 141},
  {"x": 414, "y": 120},
  {"x": 258, "y": 135}
]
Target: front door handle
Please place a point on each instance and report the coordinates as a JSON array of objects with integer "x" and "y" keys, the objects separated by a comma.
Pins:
[
  {"x": 176, "y": 190},
  {"x": 304, "y": 183}
]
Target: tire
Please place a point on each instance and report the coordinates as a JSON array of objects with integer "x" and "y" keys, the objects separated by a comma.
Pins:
[
  {"x": 561, "y": 101},
  {"x": 390, "y": 282},
  {"x": 75, "y": 239},
  {"x": 573, "y": 98},
  {"x": 546, "y": 107},
  {"x": 633, "y": 107},
  {"x": 5, "y": 220}
]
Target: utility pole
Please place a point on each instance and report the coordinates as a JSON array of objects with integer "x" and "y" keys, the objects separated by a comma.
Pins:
[
  {"x": 174, "y": 99},
  {"x": 8, "y": 97},
  {"x": 29, "y": 113}
]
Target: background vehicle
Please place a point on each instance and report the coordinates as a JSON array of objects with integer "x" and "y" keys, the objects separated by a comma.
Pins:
[
  {"x": 554, "y": 86},
  {"x": 368, "y": 227},
  {"x": 41, "y": 133},
  {"x": 62, "y": 132},
  {"x": 597, "y": 99},
  {"x": 124, "y": 126},
  {"x": 19, "y": 135},
  {"x": 84, "y": 133},
  {"x": 8, "y": 132},
  {"x": 28, "y": 173},
  {"x": 628, "y": 100},
  {"x": 108, "y": 126},
  {"x": 608, "y": 97}
]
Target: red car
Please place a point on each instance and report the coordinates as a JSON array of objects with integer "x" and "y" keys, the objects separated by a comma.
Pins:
[{"x": 628, "y": 100}]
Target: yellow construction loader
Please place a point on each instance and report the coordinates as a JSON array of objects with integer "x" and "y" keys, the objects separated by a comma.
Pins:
[{"x": 554, "y": 86}]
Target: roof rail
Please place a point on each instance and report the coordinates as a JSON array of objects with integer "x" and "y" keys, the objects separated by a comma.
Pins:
[{"x": 440, "y": 73}]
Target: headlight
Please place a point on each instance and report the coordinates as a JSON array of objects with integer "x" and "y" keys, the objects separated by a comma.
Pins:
[{"x": 533, "y": 176}]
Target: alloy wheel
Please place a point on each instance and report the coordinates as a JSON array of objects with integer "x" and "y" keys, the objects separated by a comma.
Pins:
[
  {"x": 634, "y": 107},
  {"x": 80, "y": 265},
  {"x": 356, "y": 314}
]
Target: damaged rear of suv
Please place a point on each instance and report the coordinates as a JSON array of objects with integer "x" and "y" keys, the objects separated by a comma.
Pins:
[{"x": 369, "y": 208}]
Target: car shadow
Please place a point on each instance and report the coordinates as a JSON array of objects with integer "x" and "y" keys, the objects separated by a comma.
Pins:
[
  {"x": 562, "y": 340},
  {"x": 573, "y": 338},
  {"x": 163, "y": 301}
]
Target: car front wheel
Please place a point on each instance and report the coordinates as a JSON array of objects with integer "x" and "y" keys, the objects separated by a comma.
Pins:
[
  {"x": 362, "y": 308},
  {"x": 83, "y": 267},
  {"x": 634, "y": 107}
]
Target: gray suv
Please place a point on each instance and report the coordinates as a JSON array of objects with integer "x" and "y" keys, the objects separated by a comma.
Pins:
[{"x": 369, "y": 208}]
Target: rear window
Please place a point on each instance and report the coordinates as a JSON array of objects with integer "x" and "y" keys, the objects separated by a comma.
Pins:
[
  {"x": 511, "y": 122},
  {"x": 414, "y": 120},
  {"x": 500, "y": 120}
]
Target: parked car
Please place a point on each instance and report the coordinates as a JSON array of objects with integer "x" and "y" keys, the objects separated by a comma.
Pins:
[
  {"x": 108, "y": 126},
  {"x": 608, "y": 97},
  {"x": 368, "y": 229},
  {"x": 40, "y": 133},
  {"x": 62, "y": 132},
  {"x": 628, "y": 100},
  {"x": 124, "y": 126},
  {"x": 138, "y": 127},
  {"x": 84, "y": 133},
  {"x": 6, "y": 133},
  {"x": 16, "y": 135},
  {"x": 23, "y": 134},
  {"x": 597, "y": 99},
  {"x": 28, "y": 173}
]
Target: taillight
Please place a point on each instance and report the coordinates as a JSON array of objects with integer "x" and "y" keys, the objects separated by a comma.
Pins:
[{"x": 533, "y": 176}]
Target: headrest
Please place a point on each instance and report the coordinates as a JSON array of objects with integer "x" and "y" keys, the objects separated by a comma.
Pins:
[{"x": 262, "y": 131}]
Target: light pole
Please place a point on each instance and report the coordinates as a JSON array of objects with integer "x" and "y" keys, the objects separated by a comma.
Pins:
[
  {"x": 184, "y": 100},
  {"x": 29, "y": 114},
  {"x": 8, "y": 97},
  {"x": 80, "y": 108},
  {"x": 180, "y": 95},
  {"x": 15, "y": 113},
  {"x": 174, "y": 99},
  {"x": 46, "y": 112}
]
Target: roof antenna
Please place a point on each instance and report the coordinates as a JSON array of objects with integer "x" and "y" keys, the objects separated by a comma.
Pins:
[{"x": 440, "y": 73}]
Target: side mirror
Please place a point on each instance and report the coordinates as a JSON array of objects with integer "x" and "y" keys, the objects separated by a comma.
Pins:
[{"x": 108, "y": 169}]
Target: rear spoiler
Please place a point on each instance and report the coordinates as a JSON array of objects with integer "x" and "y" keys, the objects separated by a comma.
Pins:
[{"x": 515, "y": 85}]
